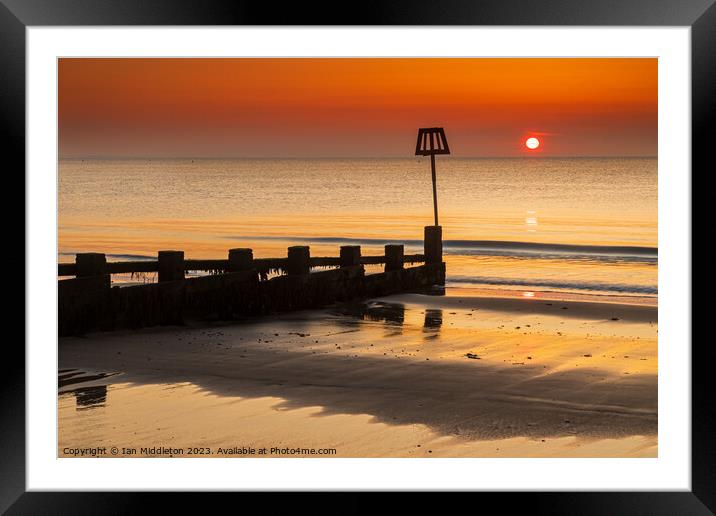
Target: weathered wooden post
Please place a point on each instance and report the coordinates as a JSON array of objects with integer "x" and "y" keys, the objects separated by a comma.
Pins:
[
  {"x": 91, "y": 264},
  {"x": 83, "y": 303},
  {"x": 433, "y": 243},
  {"x": 350, "y": 255},
  {"x": 171, "y": 265},
  {"x": 299, "y": 260},
  {"x": 241, "y": 259},
  {"x": 394, "y": 257}
]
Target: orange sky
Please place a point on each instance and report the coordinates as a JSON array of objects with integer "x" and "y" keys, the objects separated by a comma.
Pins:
[{"x": 355, "y": 107}]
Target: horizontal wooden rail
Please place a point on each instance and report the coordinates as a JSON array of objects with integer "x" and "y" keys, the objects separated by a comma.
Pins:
[
  {"x": 127, "y": 267},
  {"x": 377, "y": 260},
  {"x": 262, "y": 264}
]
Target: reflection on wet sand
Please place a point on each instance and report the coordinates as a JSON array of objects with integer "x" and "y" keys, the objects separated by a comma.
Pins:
[
  {"x": 91, "y": 397},
  {"x": 392, "y": 314},
  {"x": 433, "y": 320},
  {"x": 75, "y": 376},
  {"x": 376, "y": 311},
  {"x": 86, "y": 396},
  {"x": 538, "y": 382}
]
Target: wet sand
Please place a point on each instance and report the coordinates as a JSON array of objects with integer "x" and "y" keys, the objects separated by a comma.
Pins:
[{"x": 403, "y": 376}]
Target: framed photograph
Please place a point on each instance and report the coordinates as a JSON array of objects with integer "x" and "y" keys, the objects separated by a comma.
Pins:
[{"x": 423, "y": 248}]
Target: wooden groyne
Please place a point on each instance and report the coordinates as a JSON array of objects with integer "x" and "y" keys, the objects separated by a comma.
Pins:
[{"x": 236, "y": 287}]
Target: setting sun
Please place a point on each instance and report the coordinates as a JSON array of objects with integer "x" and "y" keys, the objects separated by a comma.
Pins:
[{"x": 532, "y": 143}]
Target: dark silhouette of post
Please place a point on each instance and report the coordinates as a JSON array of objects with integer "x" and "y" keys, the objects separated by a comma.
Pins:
[
  {"x": 171, "y": 265},
  {"x": 435, "y": 188},
  {"x": 299, "y": 260},
  {"x": 394, "y": 257},
  {"x": 432, "y": 141},
  {"x": 433, "y": 244},
  {"x": 91, "y": 264},
  {"x": 241, "y": 259},
  {"x": 350, "y": 255}
]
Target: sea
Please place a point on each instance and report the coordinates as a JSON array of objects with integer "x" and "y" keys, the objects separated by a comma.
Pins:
[{"x": 556, "y": 225}]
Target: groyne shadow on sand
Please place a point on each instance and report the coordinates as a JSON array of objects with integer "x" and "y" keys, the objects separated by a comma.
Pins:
[{"x": 472, "y": 399}]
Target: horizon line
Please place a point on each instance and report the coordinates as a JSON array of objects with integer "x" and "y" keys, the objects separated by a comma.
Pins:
[{"x": 566, "y": 156}]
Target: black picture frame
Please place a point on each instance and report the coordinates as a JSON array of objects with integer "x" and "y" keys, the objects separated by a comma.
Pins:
[{"x": 700, "y": 15}]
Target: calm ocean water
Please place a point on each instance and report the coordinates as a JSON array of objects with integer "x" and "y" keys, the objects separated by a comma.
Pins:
[{"x": 567, "y": 225}]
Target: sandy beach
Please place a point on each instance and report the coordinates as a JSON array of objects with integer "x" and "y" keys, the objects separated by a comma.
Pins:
[{"x": 412, "y": 375}]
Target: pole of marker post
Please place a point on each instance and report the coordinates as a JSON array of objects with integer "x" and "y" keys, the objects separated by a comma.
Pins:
[{"x": 435, "y": 189}]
